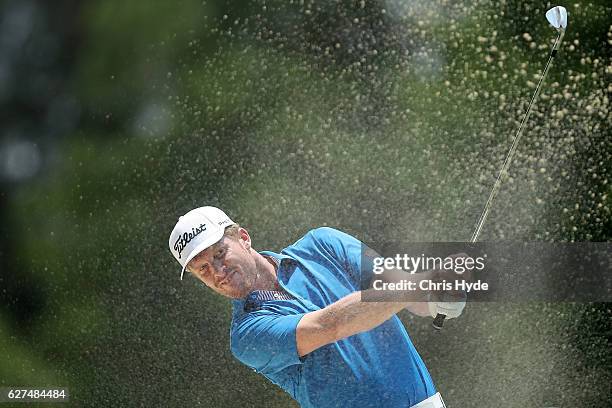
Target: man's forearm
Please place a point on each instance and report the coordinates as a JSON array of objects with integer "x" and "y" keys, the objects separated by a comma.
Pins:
[
  {"x": 416, "y": 299},
  {"x": 351, "y": 315}
]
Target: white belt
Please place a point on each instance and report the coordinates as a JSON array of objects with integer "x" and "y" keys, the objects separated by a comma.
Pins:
[{"x": 435, "y": 401}]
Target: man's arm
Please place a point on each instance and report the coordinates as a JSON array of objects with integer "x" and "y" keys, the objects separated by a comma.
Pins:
[
  {"x": 342, "y": 319},
  {"x": 349, "y": 316}
]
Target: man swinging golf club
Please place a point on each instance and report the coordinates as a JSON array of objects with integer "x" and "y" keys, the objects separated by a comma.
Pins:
[{"x": 298, "y": 317}]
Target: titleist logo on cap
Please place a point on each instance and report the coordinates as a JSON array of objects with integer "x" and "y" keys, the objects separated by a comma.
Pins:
[{"x": 187, "y": 237}]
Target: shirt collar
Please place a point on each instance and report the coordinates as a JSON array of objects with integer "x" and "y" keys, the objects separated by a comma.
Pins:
[
  {"x": 281, "y": 258},
  {"x": 278, "y": 257}
]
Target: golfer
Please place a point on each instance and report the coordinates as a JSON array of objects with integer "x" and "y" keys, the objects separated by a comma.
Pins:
[{"x": 298, "y": 318}]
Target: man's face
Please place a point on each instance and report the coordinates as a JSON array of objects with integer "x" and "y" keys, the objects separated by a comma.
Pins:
[{"x": 227, "y": 267}]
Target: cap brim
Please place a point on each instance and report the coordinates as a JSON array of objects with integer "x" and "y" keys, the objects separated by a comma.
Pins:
[{"x": 212, "y": 240}]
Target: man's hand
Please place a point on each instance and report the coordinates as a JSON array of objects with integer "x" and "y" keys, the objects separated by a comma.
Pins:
[
  {"x": 450, "y": 306},
  {"x": 449, "y": 302}
]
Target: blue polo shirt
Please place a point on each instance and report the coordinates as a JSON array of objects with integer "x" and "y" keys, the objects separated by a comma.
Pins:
[{"x": 377, "y": 368}]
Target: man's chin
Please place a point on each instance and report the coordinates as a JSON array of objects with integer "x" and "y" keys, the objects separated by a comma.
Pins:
[{"x": 236, "y": 294}]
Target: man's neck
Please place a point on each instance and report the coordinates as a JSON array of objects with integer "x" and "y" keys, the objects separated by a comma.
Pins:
[{"x": 266, "y": 273}]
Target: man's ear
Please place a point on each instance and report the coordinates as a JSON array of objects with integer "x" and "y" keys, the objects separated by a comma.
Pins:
[{"x": 245, "y": 238}]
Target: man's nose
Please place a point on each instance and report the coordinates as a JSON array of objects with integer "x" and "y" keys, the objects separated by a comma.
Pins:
[{"x": 220, "y": 270}]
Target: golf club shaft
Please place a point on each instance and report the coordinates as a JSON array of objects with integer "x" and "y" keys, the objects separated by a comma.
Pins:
[
  {"x": 517, "y": 138},
  {"x": 439, "y": 319}
]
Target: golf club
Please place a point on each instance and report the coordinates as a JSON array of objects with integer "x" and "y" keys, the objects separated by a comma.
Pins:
[{"x": 557, "y": 17}]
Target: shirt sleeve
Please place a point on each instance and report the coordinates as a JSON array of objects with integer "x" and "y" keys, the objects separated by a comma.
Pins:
[
  {"x": 355, "y": 256},
  {"x": 266, "y": 341}
]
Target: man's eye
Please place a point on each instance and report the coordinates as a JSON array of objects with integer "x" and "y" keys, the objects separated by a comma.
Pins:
[{"x": 219, "y": 254}]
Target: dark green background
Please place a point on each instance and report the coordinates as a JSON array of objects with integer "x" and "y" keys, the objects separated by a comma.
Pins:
[{"x": 386, "y": 119}]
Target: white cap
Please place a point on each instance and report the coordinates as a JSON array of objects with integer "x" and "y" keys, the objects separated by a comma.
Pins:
[{"x": 196, "y": 231}]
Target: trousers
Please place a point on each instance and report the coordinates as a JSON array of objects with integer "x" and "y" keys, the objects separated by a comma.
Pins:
[{"x": 435, "y": 401}]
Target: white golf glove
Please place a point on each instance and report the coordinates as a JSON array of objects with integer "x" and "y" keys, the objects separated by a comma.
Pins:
[{"x": 449, "y": 309}]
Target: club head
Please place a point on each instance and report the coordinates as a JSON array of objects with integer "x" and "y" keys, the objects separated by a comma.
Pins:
[{"x": 557, "y": 17}]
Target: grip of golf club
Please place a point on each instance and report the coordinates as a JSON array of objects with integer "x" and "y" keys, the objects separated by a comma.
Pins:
[{"x": 438, "y": 322}]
